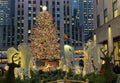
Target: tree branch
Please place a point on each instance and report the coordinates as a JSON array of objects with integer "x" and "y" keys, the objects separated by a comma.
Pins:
[
  {"x": 112, "y": 53},
  {"x": 103, "y": 52}
]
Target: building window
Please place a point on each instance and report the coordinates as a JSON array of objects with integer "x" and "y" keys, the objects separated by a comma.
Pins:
[
  {"x": 34, "y": 2},
  {"x": 47, "y": 5},
  {"x": 58, "y": 9},
  {"x": 29, "y": 15},
  {"x": 58, "y": 3},
  {"x": 115, "y": 9},
  {"x": 98, "y": 20},
  {"x": 105, "y": 16},
  {"x": 8, "y": 44},
  {"x": 22, "y": 30},
  {"x": 119, "y": 47},
  {"x": 12, "y": 43},
  {"x": 53, "y": 3},
  {"x": 29, "y": 2},
  {"x": 22, "y": 5},
  {"x": 84, "y": 1},
  {"x": 18, "y": 12},
  {"x": 97, "y": 1},
  {"x": 29, "y": 8},
  {"x": 67, "y": 10},
  {"x": 34, "y": 22},
  {"x": 18, "y": 42},
  {"x": 18, "y": 5},
  {"x": 34, "y": 9},
  {"x": 67, "y": 2},
  {"x": 18, "y": 24},
  {"x": 117, "y": 51},
  {"x": 34, "y": 15},
  {"x": 18, "y": 30},
  {"x": 22, "y": 24},
  {"x": 29, "y": 24}
]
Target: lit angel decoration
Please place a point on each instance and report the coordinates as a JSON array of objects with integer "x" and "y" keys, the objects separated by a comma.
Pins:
[
  {"x": 23, "y": 58},
  {"x": 10, "y": 52},
  {"x": 25, "y": 53},
  {"x": 88, "y": 66}
]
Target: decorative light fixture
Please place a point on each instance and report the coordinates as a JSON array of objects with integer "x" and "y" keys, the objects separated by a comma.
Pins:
[{"x": 44, "y": 8}]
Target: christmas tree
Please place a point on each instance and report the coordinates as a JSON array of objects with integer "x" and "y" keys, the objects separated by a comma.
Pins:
[{"x": 44, "y": 38}]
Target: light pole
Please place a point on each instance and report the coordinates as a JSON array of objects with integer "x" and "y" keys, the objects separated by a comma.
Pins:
[{"x": 110, "y": 42}]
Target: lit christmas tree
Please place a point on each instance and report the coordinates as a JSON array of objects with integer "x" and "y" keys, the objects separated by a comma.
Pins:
[{"x": 44, "y": 38}]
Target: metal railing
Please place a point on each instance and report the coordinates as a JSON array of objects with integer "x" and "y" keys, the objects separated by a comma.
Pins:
[{"x": 65, "y": 80}]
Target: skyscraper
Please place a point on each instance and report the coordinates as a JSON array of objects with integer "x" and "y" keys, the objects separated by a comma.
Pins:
[
  {"x": 22, "y": 16},
  {"x": 61, "y": 10},
  {"x": 77, "y": 31},
  {"x": 86, "y": 20},
  {"x": 6, "y": 24}
]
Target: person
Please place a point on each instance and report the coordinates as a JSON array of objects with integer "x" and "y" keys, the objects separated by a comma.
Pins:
[
  {"x": 81, "y": 63},
  {"x": 102, "y": 69},
  {"x": 116, "y": 69},
  {"x": 2, "y": 71}
]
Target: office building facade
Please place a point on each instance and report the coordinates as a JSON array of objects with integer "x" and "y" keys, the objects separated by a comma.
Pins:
[
  {"x": 6, "y": 23},
  {"x": 107, "y": 14},
  {"x": 61, "y": 11},
  {"x": 77, "y": 31},
  {"x": 22, "y": 16},
  {"x": 86, "y": 20}
]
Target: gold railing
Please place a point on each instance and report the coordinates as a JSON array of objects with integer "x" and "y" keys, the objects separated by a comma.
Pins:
[{"x": 65, "y": 80}]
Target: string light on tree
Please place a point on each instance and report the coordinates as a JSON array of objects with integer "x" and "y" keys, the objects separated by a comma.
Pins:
[{"x": 44, "y": 38}]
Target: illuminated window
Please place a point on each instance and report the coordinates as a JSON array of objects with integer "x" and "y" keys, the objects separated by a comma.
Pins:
[
  {"x": 119, "y": 47},
  {"x": 89, "y": 19},
  {"x": 29, "y": 31},
  {"x": 64, "y": 22},
  {"x": 72, "y": 18},
  {"x": 72, "y": 23},
  {"x": 105, "y": 16},
  {"x": 68, "y": 22},
  {"x": 115, "y": 9},
  {"x": 115, "y": 13},
  {"x": 85, "y": 1}
]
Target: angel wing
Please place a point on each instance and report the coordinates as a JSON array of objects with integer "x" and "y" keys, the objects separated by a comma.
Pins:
[{"x": 10, "y": 52}]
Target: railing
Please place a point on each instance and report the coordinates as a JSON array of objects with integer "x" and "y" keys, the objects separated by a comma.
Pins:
[{"x": 65, "y": 80}]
